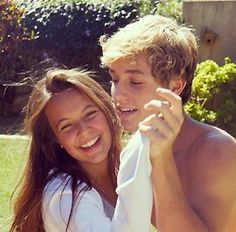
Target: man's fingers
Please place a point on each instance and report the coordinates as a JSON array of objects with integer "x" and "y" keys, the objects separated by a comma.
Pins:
[
  {"x": 152, "y": 133},
  {"x": 155, "y": 106},
  {"x": 174, "y": 100},
  {"x": 163, "y": 110},
  {"x": 154, "y": 122}
]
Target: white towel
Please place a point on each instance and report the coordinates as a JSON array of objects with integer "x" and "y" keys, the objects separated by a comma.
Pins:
[{"x": 134, "y": 187}]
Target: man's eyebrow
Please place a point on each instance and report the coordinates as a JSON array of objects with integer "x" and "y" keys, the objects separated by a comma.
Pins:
[{"x": 129, "y": 71}]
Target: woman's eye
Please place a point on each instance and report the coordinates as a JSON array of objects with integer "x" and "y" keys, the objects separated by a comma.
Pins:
[{"x": 65, "y": 127}]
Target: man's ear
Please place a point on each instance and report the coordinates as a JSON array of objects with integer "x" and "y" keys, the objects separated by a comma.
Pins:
[{"x": 177, "y": 85}]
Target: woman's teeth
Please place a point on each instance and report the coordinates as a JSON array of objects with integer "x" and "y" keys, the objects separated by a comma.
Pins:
[{"x": 90, "y": 143}]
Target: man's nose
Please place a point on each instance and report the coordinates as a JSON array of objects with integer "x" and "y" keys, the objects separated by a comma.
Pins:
[{"x": 119, "y": 92}]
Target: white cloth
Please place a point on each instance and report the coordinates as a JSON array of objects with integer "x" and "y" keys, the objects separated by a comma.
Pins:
[{"x": 134, "y": 204}]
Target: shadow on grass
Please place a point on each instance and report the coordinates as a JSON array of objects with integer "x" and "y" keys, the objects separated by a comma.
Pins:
[{"x": 10, "y": 125}]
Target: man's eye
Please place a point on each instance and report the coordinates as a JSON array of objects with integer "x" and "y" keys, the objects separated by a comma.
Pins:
[
  {"x": 136, "y": 82},
  {"x": 113, "y": 81},
  {"x": 91, "y": 114}
]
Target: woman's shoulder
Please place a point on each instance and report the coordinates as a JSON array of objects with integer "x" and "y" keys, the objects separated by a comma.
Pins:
[
  {"x": 59, "y": 182},
  {"x": 57, "y": 203},
  {"x": 60, "y": 186}
]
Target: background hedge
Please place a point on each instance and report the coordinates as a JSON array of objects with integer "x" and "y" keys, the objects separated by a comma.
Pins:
[
  {"x": 39, "y": 34},
  {"x": 213, "y": 98},
  {"x": 35, "y": 35}
]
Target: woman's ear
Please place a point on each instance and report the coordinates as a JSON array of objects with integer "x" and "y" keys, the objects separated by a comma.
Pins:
[
  {"x": 59, "y": 143},
  {"x": 177, "y": 85}
]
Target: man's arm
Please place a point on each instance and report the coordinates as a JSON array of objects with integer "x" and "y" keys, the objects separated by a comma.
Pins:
[
  {"x": 172, "y": 210},
  {"x": 231, "y": 224},
  {"x": 206, "y": 203},
  {"x": 173, "y": 213},
  {"x": 212, "y": 166}
]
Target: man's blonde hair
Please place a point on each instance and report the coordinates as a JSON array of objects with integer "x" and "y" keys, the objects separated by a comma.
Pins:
[{"x": 171, "y": 49}]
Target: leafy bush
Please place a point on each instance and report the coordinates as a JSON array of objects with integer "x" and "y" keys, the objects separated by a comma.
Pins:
[
  {"x": 149, "y": 7},
  {"x": 70, "y": 31},
  {"x": 12, "y": 33},
  {"x": 13, "y": 58},
  {"x": 171, "y": 8},
  {"x": 65, "y": 33},
  {"x": 213, "y": 97}
]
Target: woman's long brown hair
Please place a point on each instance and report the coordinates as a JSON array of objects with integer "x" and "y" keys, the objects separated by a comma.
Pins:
[{"x": 46, "y": 159}]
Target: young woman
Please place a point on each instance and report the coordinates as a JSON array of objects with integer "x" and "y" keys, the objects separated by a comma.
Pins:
[{"x": 70, "y": 177}]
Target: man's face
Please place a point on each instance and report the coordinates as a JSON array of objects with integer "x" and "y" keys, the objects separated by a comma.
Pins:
[{"x": 132, "y": 87}]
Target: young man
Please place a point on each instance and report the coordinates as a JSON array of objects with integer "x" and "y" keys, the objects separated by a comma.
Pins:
[{"x": 151, "y": 63}]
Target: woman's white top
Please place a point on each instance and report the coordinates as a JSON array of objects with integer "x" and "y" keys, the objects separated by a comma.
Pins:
[{"x": 92, "y": 213}]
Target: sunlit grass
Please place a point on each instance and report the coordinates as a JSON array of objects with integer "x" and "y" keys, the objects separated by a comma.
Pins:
[{"x": 12, "y": 156}]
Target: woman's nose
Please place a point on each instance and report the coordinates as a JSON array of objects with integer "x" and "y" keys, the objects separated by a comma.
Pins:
[{"x": 82, "y": 127}]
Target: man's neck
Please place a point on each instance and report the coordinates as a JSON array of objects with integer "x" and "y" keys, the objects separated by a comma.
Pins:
[{"x": 185, "y": 131}]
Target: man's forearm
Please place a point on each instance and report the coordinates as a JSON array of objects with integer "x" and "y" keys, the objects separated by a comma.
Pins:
[{"x": 171, "y": 207}]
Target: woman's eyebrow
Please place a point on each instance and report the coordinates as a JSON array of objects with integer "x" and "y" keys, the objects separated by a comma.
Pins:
[{"x": 84, "y": 109}]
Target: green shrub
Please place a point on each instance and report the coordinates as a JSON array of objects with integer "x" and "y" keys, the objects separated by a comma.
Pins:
[
  {"x": 12, "y": 34},
  {"x": 13, "y": 58},
  {"x": 213, "y": 95},
  {"x": 149, "y": 7},
  {"x": 171, "y": 8},
  {"x": 69, "y": 32},
  {"x": 64, "y": 33}
]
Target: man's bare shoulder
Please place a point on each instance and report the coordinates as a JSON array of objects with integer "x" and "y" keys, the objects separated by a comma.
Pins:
[
  {"x": 213, "y": 151},
  {"x": 214, "y": 145},
  {"x": 212, "y": 174}
]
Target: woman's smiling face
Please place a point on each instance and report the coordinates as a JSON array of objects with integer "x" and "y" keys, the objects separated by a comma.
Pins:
[{"x": 79, "y": 126}]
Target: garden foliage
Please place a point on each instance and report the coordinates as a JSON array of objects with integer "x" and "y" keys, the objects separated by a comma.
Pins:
[
  {"x": 69, "y": 32},
  {"x": 12, "y": 33},
  {"x": 171, "y": 8},
  {"x": 35, "y": 34},
  {"x": 13, "y": 56},
  {"x": 213, "y": 97}
]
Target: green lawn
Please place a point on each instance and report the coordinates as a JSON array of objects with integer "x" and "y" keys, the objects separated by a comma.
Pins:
[
  {"x": 12, "y": 155},
  {"x": 12, "y": 159}
]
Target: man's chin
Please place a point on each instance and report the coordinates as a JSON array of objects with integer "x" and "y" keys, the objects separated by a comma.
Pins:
[{"x": 129, "y": 127}]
